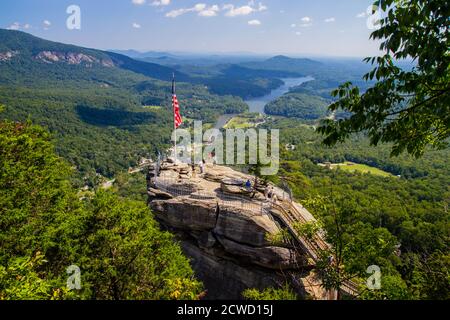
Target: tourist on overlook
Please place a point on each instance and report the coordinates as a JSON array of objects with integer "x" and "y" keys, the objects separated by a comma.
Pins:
[
  {"x": 248, "y": 185},
  {"x": 202, "y": 166},
  {"x": 266, "y": 193}
]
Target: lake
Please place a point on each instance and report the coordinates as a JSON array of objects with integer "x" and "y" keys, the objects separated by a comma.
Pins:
[{"x": 258, "y": 104}]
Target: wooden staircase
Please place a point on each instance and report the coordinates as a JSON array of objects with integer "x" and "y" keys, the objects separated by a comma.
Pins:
[{"x": 291, "y": 216}]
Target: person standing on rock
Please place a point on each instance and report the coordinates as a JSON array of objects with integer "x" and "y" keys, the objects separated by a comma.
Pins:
[
  {"x": 266, "y": 193},
  {"x": 194, "y": 173},
  {"x": 248, "y": 185},
  {"x": 202, "y": 166}
]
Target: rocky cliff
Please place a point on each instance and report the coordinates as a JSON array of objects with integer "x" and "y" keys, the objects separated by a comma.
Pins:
[{"x": 226, "y": 233}]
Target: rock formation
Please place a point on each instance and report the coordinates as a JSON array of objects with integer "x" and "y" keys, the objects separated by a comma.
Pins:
[
  {"x": 226, "y": 232},
  {"x": 8, "y": 55},
  {"x": 73, "y": 58}
]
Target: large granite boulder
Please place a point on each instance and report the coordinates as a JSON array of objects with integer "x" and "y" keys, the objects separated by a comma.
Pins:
[
  {"x": 268, "y": 257},
  {"x": 184, "y": 213},
  {"x": 245, "y": 226},
  {"x": 227, "y": 237}
]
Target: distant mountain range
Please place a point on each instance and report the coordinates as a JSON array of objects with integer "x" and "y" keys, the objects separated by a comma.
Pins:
[{"x": 19, "y": 48}]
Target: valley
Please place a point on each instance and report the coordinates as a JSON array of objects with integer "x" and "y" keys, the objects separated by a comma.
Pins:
[
  {"x": 104, "y": 111},
  {"x": 258, "y": 104}
]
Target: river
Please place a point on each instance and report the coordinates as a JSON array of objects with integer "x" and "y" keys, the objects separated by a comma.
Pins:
[{"x": 258, "y": 104}]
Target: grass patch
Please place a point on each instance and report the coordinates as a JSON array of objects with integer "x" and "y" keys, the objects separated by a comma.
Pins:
[
  {"x": 156, "y": 108},
  {"x": 362, "y": 168},
  {"x": 245, "y": 121}
]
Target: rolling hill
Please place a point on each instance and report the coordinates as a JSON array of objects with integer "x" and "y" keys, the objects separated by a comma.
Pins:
[{"x": 92, "y": 101}]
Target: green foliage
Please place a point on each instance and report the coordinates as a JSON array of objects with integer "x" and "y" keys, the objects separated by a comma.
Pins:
[
  {"x": 95, "y": 111},
  {"x": 368, "y": 216},
  {"x": 34, "y": 188},
  {"x": 124, "y": 255},
  {"x": 270, "y": 294},
  {"x": 45, "y": 228},
  {"x": 406, "y": 107},
  {"x": 298, "y": 105},
  {"x": 21, "y": 280},
  {"x": 392, "y": 288},
  {"x": 131, "y": 186}
]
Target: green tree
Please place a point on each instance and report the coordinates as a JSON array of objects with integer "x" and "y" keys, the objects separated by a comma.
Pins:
[
  {"x": 354, "y": 246},
  {"x": 270, "y": 294},
  {"x": 124, "y": 255},
  {"x": 409, "y": 108},
  {"x": 45, "y": 228}
]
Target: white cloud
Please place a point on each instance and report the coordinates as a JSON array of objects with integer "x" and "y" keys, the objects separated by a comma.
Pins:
[
  {"x": 361, "y": 15},
  {"x": 233, "y": 11},
  {"x": 306, "y": 19},
  {"x": 158, "y": 3},
  {"x": 209, "y": 12},
  {"x": 254, "y": 23},
  {"x": 298, "y": 33},
  {"x": 17, "y": 26},
  {"x": 306, "y": 22},
  {"x": 293, "y": 25},
  {"x": 138, "y": 2},
  {"x": 136, "y": 25},
  {"x": 199, "y": 7},
  {"x": 332, "y": 19},
  {"x": 202, "y": 10},
  {"x": 47, "y": 24},
  {"x": 14, "y": 26},
  {"x": 176, "y": 13}
]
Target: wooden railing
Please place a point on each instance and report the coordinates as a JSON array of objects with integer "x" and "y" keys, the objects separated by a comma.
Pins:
[
  {"x": 291, "y": 216},
  {"x": 285, "y": 211}
]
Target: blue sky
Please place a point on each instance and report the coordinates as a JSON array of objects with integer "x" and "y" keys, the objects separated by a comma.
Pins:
[{"x": 295, "y": 27}]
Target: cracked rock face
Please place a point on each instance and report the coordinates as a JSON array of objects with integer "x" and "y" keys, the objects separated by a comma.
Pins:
[
  {"x": 72, "y": 58},
  {"x": 228, "y": 244},
  {"x": 8, "y": 55}
]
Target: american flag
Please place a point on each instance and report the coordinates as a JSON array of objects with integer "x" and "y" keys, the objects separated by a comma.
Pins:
[
  {"x": 176, "y": 112},
  {"x": 176, "y": 107}
]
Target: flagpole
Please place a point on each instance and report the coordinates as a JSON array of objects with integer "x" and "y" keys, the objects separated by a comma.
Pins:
[{"x": 174, "y": 120}]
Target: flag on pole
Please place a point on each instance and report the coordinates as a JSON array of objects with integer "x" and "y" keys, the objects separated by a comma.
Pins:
[{"x": 176, "y": 107}]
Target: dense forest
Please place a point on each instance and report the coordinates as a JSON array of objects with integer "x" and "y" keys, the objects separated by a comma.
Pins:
[
  {"x": 400, "y": 223},
  {"x": 46, "y": 227},
  {"x": 96, "y": 112},
  {"x": 73, "y": 115},
  {"x": 298, "y": 105}
]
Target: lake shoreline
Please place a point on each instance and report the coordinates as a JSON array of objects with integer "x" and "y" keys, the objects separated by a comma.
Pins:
[{"x": 257, "y": 105}]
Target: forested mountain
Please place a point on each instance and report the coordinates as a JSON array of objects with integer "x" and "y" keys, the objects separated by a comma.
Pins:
[
  {"x": 302, "y": 67},
  {"x": 399, "y": 222},
  {"x": 93, "y": 105},
  {"x": 298, "y": 105},
  {"x": 46, "y": 226},
  {"x": 24, "y": 50}
]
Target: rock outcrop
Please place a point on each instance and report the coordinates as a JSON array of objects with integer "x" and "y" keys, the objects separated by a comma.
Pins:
[
  {"x": 73, "y": 58},
  {"x": 8, "y": 55},
  {"x": 226, "y": 237}
]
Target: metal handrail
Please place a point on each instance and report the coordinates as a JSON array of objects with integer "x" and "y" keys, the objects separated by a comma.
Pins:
[
  {"x": 172, "y": 187},
  {"x": 350, "y": 286},
  {"x": 290, "y": 216}
]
